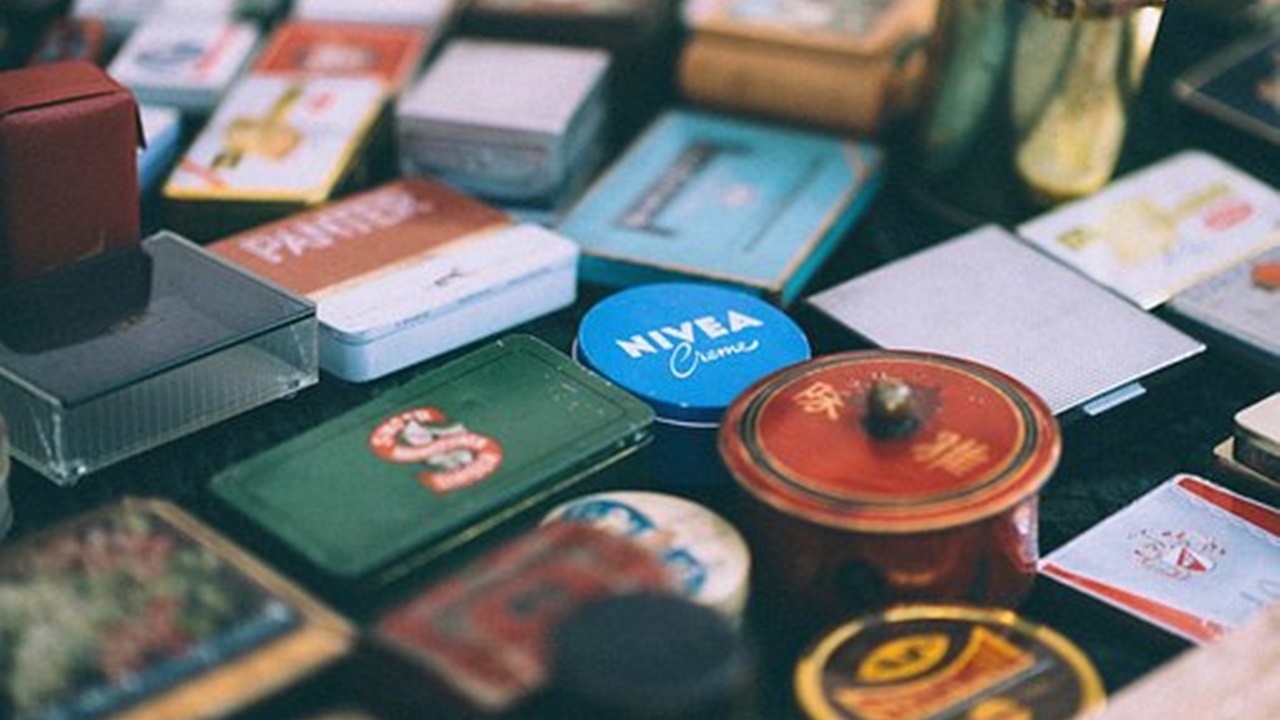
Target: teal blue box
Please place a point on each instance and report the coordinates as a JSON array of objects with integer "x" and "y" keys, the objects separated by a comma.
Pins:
[{"x": 707, "y": 197}]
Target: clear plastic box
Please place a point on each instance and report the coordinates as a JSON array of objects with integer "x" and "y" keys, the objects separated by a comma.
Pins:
[{"x": 129, "y": 349}]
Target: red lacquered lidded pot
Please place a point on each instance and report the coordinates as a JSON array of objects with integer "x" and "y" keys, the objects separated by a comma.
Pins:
[{"x": 880, "y": 476}]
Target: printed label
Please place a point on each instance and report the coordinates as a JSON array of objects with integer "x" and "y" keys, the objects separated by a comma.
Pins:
[
  {"x": 681, "y": 341},
  {"x": 453, "y": 456}
]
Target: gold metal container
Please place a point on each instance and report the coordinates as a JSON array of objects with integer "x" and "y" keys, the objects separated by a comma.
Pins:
[{"x": 1027, "y": 102}]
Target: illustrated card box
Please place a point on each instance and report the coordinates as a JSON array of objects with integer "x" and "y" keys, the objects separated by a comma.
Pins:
[
  {"x": 479, "y": 642},
  {"x": 987, "y": 296},
  {"x": 846, "y": 65},
  {"x": 276, "y": 144},
  {"x": 68, "y": 167},
  {"x": 408, "y": 271},
  {"x": 392, "y": 53},
  {"x": 138, "y": 610},
  {"x": 713, "y": 198},
  {"x": 129, "y": 349},
  {"x": 1189, "y": 556},
  {"x": 1161, "y": 229},
  {"x": 171, "y": 60},
  {"x": 162, "y": 129},
  {"x": 436, "y": 462},
  {"x": 1239, "y": 85},
  {"x": 1240, "y": 306},
  {"x": 508, "y": 121}
]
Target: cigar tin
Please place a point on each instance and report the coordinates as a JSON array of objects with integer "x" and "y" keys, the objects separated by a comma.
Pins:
[
  {"x": 712, "y": 198},
  {"x": 278, "y": 143},
  {"x": 508, "y": 121},
  {"x": 706, "y": 555},
  {"x": 1189, "y": 556},
  {"x": 933, "y": 661},
  {"x": 122, "y": 352},
  {"x": 68, "y": 167},
  {"x": 1161, "y": 229},
  {"x": 407, "y": 271},
  {"x": 481, "y": 638},
  {"x": 391, "y": 53},
  {"x": 1239, "y": 308},
  {"x": 170, "y": 60},
  {"x": 138, "y": 610},
  {"x": 437, "y": 461},
  {"x": 895, "y": 475},
  {"x": 687, "y": 349},
  {"x": 987, "y": 296}
]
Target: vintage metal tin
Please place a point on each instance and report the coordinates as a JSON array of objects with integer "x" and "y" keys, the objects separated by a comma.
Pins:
[
  {"x": 932, "y": 661},
  {"x": 139, "y": 610},
  {"x": 508, "y": 121},
  {"x": 278, "y": 143},
  {"x": 706, "y": 554},
  {"x": 436, "y": 462},
  {"x": 482, "y": 637},
  {"x": 407, "y": 271},
  {"x": 882, "y": 475},
  {"x": 688, "y": 350},
  {"x": 170, "y": 60}
]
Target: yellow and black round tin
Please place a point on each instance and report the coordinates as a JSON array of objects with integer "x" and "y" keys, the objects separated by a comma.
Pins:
[{"x": 945, "y": 661}]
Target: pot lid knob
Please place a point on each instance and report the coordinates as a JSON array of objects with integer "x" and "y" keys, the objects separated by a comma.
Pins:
[{"x": 891, "y": 409}]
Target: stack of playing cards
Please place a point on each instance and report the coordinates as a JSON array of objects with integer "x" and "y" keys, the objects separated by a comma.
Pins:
[
  {"x": 1253, "y": 450},
  {"x": 1240, "y": 307},
  {"x": 170, "y": 60},
  {"x": 1189, "y": 556},
  {"x": 989, "y": 297},
  {"x": 1164, "y": 228},
  {"x": 516, "y": 122}
]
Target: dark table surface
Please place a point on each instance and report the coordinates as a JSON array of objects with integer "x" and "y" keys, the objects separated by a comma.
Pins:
[{"x": 1107, "y": 461}]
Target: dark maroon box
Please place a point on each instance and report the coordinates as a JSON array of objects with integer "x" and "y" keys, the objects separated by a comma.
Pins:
[{"x": 68, "y": 167}]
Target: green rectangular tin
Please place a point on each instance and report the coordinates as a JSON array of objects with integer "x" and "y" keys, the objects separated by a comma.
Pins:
[{"x": 438, "y": 461}]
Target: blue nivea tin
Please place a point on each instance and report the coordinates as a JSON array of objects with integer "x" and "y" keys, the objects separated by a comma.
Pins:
[{"x": 687, "y": 349}]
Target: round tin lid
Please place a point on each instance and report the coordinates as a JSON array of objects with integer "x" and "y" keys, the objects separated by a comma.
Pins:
[
  {"x": 918, "y": 661},
  {"x": 687, "y": 349},
  {"x": 707, "y": 556},
  {"x": 890, "y": 441}
]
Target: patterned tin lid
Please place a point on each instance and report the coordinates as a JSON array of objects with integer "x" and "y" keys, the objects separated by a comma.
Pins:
[
  {"x": 704, "y": 552},
  {"x": 927, "y": 661},
  {"x": 687, "y": 349},
  {"x": 890, "y": 441}
]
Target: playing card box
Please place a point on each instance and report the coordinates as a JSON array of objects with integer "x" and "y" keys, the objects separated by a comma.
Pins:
[
  {"x": 987, "y": 296},
  {"x": 434, "y": 463},
  {"x": 116, "y": 354},
  {"x": 170, "y": 60},
  {"x": 478, "y": 643},
  {"x": 1238, "y": 85},
  {"x": 390, "y": 52},
  {"x": 407, "y": 271},
  {"x": 68, "y": 167},
  {"x": 1189, "y": 556},
  {"x": 277, "y": 144},
  {"x": 139, "y": 610},
  {"x": 1158, "y": 230},
  {"x": 713, "y": 198},
  {"x": 1239, "y": 308},
  {"x": 507, "y": 121}
]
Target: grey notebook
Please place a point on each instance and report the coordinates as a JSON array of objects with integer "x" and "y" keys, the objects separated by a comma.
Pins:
[{"x": 989, "y": 297}]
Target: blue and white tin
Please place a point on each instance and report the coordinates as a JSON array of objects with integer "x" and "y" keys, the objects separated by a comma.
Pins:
[{"x": 687, "y": 349}]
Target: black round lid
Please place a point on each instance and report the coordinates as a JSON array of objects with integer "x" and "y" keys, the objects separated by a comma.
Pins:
[{"x": 650, "y": 655}]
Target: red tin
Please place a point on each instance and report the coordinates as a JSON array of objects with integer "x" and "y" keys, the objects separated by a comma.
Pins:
[
  {"x": 68, "y": 167},
  {"x": 883, "y": 475}
]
